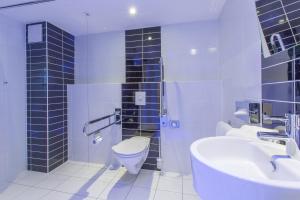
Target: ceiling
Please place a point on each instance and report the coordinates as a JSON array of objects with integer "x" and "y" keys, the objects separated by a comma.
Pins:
[{"x": 112, "y": 15}]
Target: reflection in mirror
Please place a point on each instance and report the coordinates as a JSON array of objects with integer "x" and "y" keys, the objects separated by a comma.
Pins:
[{"x": 279, "y": 25}]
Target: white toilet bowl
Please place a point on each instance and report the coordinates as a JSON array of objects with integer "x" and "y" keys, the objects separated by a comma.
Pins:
[{"x": 132, "y": 153}]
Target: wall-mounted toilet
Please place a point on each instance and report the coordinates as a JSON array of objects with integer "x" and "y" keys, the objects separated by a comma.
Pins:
[{"x": 132, "y": 153}]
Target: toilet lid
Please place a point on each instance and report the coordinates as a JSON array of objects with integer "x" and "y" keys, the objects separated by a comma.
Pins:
[{"x": 132, "y": 146}]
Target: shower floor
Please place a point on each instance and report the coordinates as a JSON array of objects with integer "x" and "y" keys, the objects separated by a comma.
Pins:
[{"x": 76, "y": 181}]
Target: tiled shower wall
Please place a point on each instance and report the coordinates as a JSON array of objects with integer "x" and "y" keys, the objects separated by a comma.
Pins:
[
  {"x": 280, "y": 16},
  {"x": 143, "y": 73},
  {"x": 281, "y": 85},
  {"x": 50, "y": 67}
]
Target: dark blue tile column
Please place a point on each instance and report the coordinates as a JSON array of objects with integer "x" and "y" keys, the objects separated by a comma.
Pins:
[
  {"x": 50, "y": 67},
  {"x": 143, "y": 73}
]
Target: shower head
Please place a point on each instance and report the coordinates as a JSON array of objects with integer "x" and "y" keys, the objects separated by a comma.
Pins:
[{"x": 25, "y": 4}]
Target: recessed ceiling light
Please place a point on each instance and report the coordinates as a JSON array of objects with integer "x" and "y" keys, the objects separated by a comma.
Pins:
[
  {"x": 212, "y": 49},
  {"x": 149, "y": 38},
  {"x": 132, "y": 11},
  {"x": 281, "y": 21},
  {"x": 193, "y": 52}
]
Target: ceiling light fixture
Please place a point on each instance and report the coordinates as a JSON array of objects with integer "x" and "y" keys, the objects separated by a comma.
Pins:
[
  {"x": 149, "y": 38},
  {"x": 212, "y": 49},
  {"x": 193, "y": 52},
  {"x": 281, "y": 21},
  {"x": 132, "y": 11}
]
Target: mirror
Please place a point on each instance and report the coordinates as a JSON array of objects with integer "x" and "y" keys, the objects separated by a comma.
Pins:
[{"x": 279, "y": 23}]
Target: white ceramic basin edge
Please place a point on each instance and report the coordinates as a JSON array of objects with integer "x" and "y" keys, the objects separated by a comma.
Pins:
[{"x": 239, "y": 168}]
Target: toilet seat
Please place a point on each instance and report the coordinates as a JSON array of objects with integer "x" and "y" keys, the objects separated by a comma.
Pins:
[
  {"x": 131, "y": 147},
  {"x": 129, "y": 156}
]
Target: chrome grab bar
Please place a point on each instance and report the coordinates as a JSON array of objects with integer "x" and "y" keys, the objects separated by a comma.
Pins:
[{"x": 117, "y": 117}]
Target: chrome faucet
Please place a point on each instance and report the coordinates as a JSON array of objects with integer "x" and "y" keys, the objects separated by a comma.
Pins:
[
  {"x": 292, "y": 127},
  {"x": 273, "y": 136}
]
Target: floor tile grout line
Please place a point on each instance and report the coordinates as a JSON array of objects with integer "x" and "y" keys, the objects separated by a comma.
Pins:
[
  {"x": 108, "y": 183},
  {"x": 68, "y": 177},
  {"x": 182, "y": 187},
  {"x": 156, "y": 186},
  {"x": 111, "y": 180},
  {"x": 31, "y": 187},
  {"x": 21, "y": 185},
  {"x": 49, "y": 191},
  {"x": 129, "y": 191}
]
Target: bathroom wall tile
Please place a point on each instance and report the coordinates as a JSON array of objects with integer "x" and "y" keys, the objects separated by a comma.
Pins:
[
  {"x": 132, "y": 44},
  {"x": 281, "y": 57},
  {"x": 295, "y": 22},
  {"x": 134, "y": 80},
  {"x": 297, "y": 51},
  {"x": 152, "y": 42},
  {"x": 297, "y": 108},
  {"x": 148, "y": 49},
  {"x": 275, "y": 109},
  {"x": 156, "y": 29},
  {"x": 128, "y": 133},
  {"x": 278, "y": 73},
  {"x": 273, "y": 12},
  {"x": 143, "y": 52},
  {"x": 134, "y": 68},
  {"x": 46, "y": 92},
  {"x": 152, "y": 35},
  {"x": 130, "y": 125},
  {"x": 133, "y": 32},
  {"x": 137, "y": 37},
  {"x": 267, "y": 7},
  {"x": 150, "y": 166},
  {"x": 261, "y": 3},
  {"x": 279, "y": 92},
  {"x": 134, "y": 50},
  {"x": 297, "y": 91},
  {"x": 134, "y": 56}
]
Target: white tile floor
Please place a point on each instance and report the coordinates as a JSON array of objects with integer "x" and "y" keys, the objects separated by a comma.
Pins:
[{"x": 78, "y": 181}]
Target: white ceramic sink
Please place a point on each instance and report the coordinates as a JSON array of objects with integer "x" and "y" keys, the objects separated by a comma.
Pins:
[{"x": 232, "y": 168}]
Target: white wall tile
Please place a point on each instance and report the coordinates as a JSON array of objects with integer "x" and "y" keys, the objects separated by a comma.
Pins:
[
  {"x": 105, "y": 61},
  {"x": 177, "y": 42}
]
